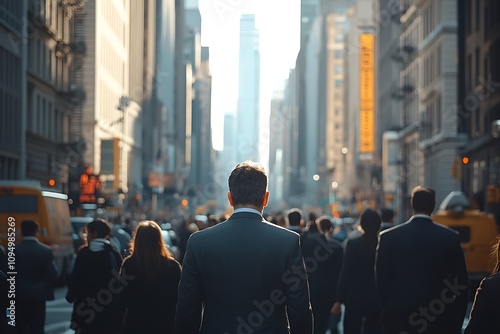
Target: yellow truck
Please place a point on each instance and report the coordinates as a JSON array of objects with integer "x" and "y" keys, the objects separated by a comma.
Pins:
[
  {"x": 477, "y": 230},
  {"x": 20, "y": 200}
]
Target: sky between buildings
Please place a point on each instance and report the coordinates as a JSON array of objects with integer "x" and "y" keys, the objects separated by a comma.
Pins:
[{"x": 278, "y": 22}]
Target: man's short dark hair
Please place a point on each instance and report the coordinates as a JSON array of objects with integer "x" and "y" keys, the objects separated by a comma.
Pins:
[
  {"x": 294, "y": 217},
  {"x": 100, "y": 227},
  {"x": 248, "y": 184},
  {"x": 370, "y": 221},
  {"x": 29, "y": 228},
  {"x": 423, "y": 200},
  {"x": 387, "y": 214},
  {"x": 324, "y": 224}
]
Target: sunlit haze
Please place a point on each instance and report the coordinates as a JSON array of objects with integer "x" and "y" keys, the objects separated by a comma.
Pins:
[{"x": 278, "y": 22}]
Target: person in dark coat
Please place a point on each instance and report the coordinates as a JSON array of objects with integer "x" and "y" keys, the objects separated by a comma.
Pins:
[
  {"x": 95, "y": 282},
  {"x": 147, "y": 304},
  {"x": 35, "y": 274},
  {"x": 485, "y": 313},
  {"x": 245, "y": 275},
  {"x": 422, "y": 279},
  {"x": 323, "y": 259},
  {"x": 357, "y": 290}
]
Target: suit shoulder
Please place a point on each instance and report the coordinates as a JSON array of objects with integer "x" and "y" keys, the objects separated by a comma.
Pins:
[
  {"x": 491, "y": 281},
  {"x": 446, "y": 229}
]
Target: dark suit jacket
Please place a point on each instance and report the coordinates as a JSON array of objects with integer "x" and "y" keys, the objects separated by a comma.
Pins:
[
  {"x": 485, "y": 313},
  {"x": 35, "y": 271},
  {"x": 357, "y": 289},
  {"x": 324, "y": 260},
  {"x": 247, "y": 275},
  {"x": 421, "y": 278}
]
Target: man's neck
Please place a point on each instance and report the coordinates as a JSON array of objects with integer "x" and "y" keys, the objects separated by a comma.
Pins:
[{"x": 247, "y": 206}]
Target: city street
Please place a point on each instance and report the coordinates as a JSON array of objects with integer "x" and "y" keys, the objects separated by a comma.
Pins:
[{"x": 59, "y": 314}]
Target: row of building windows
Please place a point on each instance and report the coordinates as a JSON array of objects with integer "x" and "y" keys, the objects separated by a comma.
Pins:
[
  {"x": 431, "y": 16},
  {"x": 431, "y": 118},
  {"x": 10, "y": 70},
  {"x": 52, "y": 15},
  {"x": 44, "y": 63},
  {"x": 10, "y": 100},
  {"x": 47, "y": 121},
  {"x": 10, "y": 119},
  {"x": 9, "y": 168},
  {"x": 432, "y": 65},
  {"x": 10, "y": 14}
]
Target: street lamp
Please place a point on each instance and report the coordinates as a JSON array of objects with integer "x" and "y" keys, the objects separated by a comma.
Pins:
[{"x": 122, "y": 107}]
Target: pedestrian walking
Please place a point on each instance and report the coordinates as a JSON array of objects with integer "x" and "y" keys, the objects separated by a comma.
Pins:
[
  {"x": 147, "y": 302},
  {"x": 421, "y": 276},
  {"x": 357, "y": 289},
  {"x": 484, "y": 315},
  {"x": 323, "y": 259},
  {"x": 34, "y": 280},
  {"x": 244, "y": 275},
  {"x": 94, "y": 284}
]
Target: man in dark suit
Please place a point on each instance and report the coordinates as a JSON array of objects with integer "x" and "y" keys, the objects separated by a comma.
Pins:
[
  {"x": 323, "y": 259},
  {"x": 35, "y": 273},
  {"x": 244, "y": 275},
  {"x": 421, "y": 275}
]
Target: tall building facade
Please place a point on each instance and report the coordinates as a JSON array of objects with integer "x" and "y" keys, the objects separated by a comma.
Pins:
[
  {"x": 14, "y": 62},
  {"x": 428, "y": 80},
  {"x": 109, "y": 120},
  {"x": 202, "y": 160},
  {"x": 248, "y": 107},
  {"x": 360, "y": 73},
  {"x": 479, "y": 101},
  {"x": 389, "y": 58}
]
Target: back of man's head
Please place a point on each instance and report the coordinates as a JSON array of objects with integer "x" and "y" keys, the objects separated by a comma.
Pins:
[
  {"x": 324, "y": 224},
  {"x": 248, "y": 184},
  {"x": 423, "y": 200},
  {"x": 294, "y": 217},
  {"x": 100, "y": 227},
  {"x": 370, "y": 221},
  {"x": 29, "y": 228}
]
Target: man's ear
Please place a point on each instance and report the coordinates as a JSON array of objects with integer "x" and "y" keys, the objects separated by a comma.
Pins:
[
  {"x": 266, "y": 199},
  {"x": 230, "y": 198}
]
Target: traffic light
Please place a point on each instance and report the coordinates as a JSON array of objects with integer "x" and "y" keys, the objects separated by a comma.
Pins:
[
  {"x": 52, "y": 182},
  {"x": 184, "y": 203}
]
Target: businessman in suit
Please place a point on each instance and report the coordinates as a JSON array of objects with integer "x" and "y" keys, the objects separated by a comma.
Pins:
[
  {"x": 421, "y": 275},
  {"x": 323, "y": 258},
  {"x": 35, "y": 273},
  {"x": 245, "y": 275}
]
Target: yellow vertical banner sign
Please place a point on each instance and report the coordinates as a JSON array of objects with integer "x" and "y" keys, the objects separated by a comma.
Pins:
[{"x": 367, "y": 93}]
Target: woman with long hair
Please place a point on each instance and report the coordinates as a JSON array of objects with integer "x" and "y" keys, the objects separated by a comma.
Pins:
[
  {"x": 148, "y": 300},
  {"x": 484, "y": 315}
]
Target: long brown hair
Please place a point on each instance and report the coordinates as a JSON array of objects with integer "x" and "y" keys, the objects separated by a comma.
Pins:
[
  {"x": 495, "y": 256},
  {"x": 147, "y": 249}
]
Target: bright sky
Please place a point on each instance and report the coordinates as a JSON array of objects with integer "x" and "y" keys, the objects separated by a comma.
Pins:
[{"x": 278, "y": 22}]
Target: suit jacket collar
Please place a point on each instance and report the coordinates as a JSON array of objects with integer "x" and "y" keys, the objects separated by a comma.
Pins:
[
  {"x": 420, "y": 217},
  {"x": 246, "y": 215}
]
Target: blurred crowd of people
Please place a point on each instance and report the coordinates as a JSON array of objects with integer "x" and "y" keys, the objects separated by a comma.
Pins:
[{"x": 251, "y": 271}]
